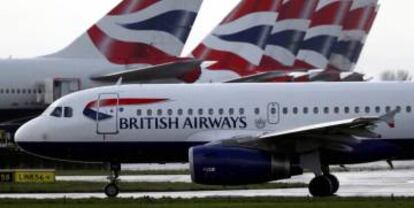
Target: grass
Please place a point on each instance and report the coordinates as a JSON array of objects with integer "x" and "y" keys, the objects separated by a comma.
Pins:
[
  {"x": 87, "y": 187},
  {"x": 214, "y": 203}
]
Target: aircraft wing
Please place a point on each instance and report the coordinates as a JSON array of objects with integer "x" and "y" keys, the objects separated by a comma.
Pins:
[
  {"x": 336, "y": 135},
  {"x": 260, "y": 77},
  {"x": 171, "y": 70},
  {"x": 295, "y": 75}
]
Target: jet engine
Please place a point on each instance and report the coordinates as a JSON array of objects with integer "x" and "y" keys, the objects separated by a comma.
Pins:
[{"x": 221, "y": 165}]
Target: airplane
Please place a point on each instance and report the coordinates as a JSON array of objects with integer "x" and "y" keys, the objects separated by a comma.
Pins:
[
  {"x": 308, "y": 41},
  {"x": 237, "y": 44},
  {"x": 231, "y": 134},
  {"x": 133, "y": 41}
]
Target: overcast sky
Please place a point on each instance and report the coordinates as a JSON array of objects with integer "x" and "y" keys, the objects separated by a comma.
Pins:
[{"x": 34, "y": 28}]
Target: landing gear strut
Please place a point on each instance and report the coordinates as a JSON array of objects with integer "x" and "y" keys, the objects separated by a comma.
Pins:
[{"x": 112, "y": 189}]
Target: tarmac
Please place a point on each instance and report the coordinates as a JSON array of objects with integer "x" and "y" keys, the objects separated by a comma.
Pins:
[{"x": 372, "y": 180}]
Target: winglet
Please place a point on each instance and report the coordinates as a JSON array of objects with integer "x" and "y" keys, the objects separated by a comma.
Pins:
[{"x": 389, "y": 118}]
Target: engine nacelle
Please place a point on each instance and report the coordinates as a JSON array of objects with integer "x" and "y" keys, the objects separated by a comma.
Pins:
[{"x": 220, "y": 165}]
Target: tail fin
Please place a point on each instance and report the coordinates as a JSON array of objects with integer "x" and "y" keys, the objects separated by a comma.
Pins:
[
  {"x": 238, "y": 43},
  {"x": 357, "y": 26},
  {"x": 325, "y": 29},
  {"x": 288, "y": 32},
  {"x": 145, "y": 32}
]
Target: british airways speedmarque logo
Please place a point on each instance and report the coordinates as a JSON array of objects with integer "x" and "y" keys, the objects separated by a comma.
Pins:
[{"x": 91, "y": 109}]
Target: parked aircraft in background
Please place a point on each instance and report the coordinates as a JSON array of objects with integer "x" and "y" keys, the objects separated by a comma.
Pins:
[
  {"x": 310, "y": 41},
  {"x": 232, "y": 134},
  {"x": 255, "y": 43},
  {"x": 138, "y": 40}
]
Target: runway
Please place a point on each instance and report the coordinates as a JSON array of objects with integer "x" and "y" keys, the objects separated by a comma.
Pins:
[{"x": 385, "y": 183}]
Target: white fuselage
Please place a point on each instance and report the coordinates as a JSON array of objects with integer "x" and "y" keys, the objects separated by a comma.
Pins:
[
  {"x": 194, "y": 114},
  {"x": 31, "y": 74}
]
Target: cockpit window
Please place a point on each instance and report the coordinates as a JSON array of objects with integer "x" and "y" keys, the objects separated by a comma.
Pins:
[
  {"x": 68, "y": 112},
  {"x": 57, "y": 112}
]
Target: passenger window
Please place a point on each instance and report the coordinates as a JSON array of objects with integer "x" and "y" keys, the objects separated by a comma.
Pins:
[
  {"x": 398, "y": 109},
  {"x": 159, "y": 112},
  {"x": 387, "y": 109},
  {"x": 315, "y": 110},
  {"x": 24, "y": 91},
  {"x": 231, "y": 111},
  {"x": 221, "y": 111},
  {"x": 170, "y": 112},
  {"x": 408, "y": 109},
  {"x": 190, "y": 112},
  {"x": 257, "y": 111},
  {"x": 346, "y": 110},
  {"x": 336, "y": 110},
  {"x": 357, "y": 110},
  {"x": 326, "y": 110},
  {"x": 378, "y": 109},
  {"x": 241, "y": 111},
  {"x": 367, "y": 109},
  {"x": 295, "y": 110},
  {"x": 57, "y": 112},
  {"x": 149, "y": 112},
  {"x": 68, "y": 112},
  {"x": 211, "y": 111},
  {"x": 180, "y": 112},
  {"x": 305, "y": 110},
  {"x": 200, "y": 112},
  {"x": 285, "y": 111},
  {"x": 18, "y": 91},
  {"x": 139, "y": 112},
  {"x": 7, "y": 91}
]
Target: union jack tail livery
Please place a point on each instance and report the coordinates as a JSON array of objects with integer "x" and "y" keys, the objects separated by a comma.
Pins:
[
  {"x": 357, "y": 26},
  {"x": 325, "y": 29},
  {"x": 287, "y": 34},
  {"x": 137, "y": 32},
  {"x": 237, "y": 44}
]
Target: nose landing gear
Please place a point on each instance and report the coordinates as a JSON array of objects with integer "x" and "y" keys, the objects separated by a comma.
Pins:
[{"x": 112, "y": 190}]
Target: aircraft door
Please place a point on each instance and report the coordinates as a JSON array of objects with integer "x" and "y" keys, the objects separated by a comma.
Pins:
[
  {"x": 57, "y": 88},
  {"x": 273, "y": 113},
  {"x": 107, "y": 117}
]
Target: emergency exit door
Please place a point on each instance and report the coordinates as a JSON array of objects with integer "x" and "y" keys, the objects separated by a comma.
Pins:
[
  {"x": 273, "y": 113},
  {"x": 107, "y": 115}
]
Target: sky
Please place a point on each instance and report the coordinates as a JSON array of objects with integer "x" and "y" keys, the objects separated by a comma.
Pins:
[{"x": 35, "y": 28}]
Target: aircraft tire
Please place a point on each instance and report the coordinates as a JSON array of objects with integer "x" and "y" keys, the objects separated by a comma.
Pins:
[
  {"x": 321, "y": 186},
  {"x": 111, "y": 190},
  {"x": 334, "y": 182}
]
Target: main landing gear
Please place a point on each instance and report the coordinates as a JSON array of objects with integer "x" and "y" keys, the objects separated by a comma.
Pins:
[
  {"x": 112, "y": 189},
  {"x": 324, "y": 184}
]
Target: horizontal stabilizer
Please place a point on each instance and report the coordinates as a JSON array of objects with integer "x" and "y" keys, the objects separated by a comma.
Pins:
[{"x": 173, "y": 70}]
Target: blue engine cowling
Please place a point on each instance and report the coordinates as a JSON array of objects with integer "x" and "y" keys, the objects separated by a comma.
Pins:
[{"x": 220, "y": 165}]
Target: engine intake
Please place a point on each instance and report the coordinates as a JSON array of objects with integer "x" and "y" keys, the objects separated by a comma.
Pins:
[{"x": 220, "y": 165}]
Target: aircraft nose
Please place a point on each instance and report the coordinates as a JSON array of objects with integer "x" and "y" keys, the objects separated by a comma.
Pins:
[{"x": 26, "y": 134}]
